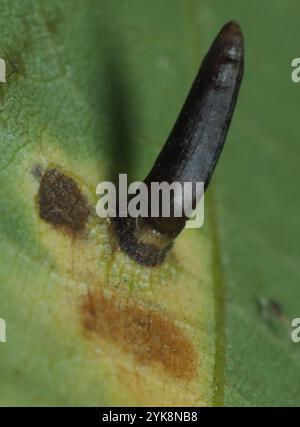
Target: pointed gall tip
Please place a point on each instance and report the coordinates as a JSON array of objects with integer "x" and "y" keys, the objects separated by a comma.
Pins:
[
  {"x": 233, "y": 27},
  {"x": 230, "y": 41}
]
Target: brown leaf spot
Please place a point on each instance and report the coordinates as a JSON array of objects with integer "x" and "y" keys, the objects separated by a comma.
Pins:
[
  {"x": 148, "y": 335},
  {"x": 61, "y": 202}
]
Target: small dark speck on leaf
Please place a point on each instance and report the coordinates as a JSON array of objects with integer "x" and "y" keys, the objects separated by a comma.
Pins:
[
  {"x": 272, "y": 313},
  {"x": 270, "y": 307},
  {"x": 52, "y": 25},
  {"x": 52, "y": 18}
]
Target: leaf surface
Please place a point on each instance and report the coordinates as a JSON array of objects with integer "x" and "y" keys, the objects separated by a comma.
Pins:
[{"x": 93, "y": 89}]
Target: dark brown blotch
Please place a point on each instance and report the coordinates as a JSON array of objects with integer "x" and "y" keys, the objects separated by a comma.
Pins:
[
  {"x": 150, "y": 336},
  {"x": 61, "y": 202}
]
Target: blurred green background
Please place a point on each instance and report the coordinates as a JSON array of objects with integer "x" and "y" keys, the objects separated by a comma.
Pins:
[{"x": 258, "y": 206}]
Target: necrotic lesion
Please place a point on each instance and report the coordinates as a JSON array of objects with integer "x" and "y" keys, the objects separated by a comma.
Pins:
[
  {"x": 150, "y": 336},
  {"x": 61, "y": 202}
]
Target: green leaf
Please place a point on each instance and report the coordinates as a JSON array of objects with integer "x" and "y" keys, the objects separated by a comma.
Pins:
[
  {"x": 258, "y": 208},
  {"x": 92, "y": 91}
]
